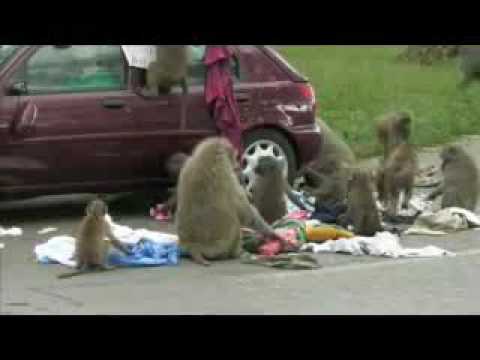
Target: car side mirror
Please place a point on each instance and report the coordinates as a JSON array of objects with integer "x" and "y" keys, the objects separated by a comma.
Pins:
[{"x": 18, "y": 88}]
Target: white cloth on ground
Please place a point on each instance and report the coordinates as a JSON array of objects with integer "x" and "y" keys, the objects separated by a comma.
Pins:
[
  {"x": 382, "y": 244},
  {"x": 14, "y": 231},
  {"x": 444, "y": 222},
  {"x": 60, "y": 249},
  {"x": 2, "y": 246},
  {"x": 47, "y": 230}
]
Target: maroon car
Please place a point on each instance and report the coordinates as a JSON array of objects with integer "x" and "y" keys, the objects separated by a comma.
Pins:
[{"x": 70, "y": 120}]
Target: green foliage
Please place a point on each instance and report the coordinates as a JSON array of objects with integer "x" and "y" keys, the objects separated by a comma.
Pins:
[{"x": 356, "y": 84}]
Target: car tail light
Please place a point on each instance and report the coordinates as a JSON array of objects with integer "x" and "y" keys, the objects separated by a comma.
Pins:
[{"x": 308, "y": 92}]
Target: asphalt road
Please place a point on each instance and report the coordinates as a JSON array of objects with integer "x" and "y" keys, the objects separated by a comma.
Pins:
[{"x": 345, "y": 284}]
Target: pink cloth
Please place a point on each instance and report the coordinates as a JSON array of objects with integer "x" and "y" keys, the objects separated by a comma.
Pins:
[{"x": 219, "y": 94}]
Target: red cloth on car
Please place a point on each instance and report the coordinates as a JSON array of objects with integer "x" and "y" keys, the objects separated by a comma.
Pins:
[{"x": 219, "y": 94}]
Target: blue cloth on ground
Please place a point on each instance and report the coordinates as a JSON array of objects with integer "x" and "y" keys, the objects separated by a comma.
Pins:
[
  {"x": 328, "y": 213},
  {"x": 147, "y": 253}
]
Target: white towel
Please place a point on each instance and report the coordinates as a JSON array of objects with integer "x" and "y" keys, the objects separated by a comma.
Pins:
[{"x": 382, "y": 244}]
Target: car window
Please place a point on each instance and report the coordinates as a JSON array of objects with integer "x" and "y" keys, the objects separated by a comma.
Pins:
[
  {"x": 76, "y": 68},
  {"x": 197, "y": 69},
  {"x": 6, "y": 52}
]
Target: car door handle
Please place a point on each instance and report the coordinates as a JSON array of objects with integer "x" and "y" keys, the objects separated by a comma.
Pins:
[{"x": 114, "y": 103}]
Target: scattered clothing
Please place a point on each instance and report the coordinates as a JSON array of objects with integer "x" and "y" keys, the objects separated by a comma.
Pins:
[
  {"x": 444, "y": 222},
  {"x": 383, "y": 244},
  {"x": 47, "y": 231},
  {"x": 148, "y": 248},
  {"x": 306, "y": 202},
  {"x": 299, "y": 215},
  {"x": 428, "y": 177},
  {"x": 292, "y": 231},
  {"x": 219, "y": 94},
  {"x": 160, "y": 213},
  {"x": 329, "y": 213},
  {"x": 146, "y": 253},
  {"x": 285, "y": 261},
  {"x": 14, "y": 231},
  {"x": 324, "y": 233}
]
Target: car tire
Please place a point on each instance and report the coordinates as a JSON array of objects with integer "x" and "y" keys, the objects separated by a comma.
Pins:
[{"x": 259, "y": 141}]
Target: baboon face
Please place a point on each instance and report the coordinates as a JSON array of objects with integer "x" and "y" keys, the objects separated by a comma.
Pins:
[
  {"x": 267, "y": 165},
  {"x": 97, "y": 208},
  {"x": 449, "y": 153}
]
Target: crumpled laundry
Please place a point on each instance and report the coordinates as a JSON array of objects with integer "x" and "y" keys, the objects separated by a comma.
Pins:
[
  {"x": 219, "y": 94},
  {"x": 329, "y": 213},
  {"x": 14, "y": 231},
  {"x": 292, "y": 231},
  {"x": 304, "y": 200},
  {"x": 285, "y": 261},
  {"x": 47, "y": 231},
  {"x": 384, "y": 244},
  {"x": 160, "y": 213},
  {"x": 298, "y": 215},
  {"x": 444, "y": 222},
  {"x": 321, "y": 233},
  {"x": 428, "y": 177},
  {"x": 148, "y": 248}
]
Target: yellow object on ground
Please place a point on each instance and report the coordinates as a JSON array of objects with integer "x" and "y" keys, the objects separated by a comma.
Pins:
[{"x": 325, "y": 233}]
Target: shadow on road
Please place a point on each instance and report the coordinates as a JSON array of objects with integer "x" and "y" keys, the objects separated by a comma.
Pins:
[{"x": 70, "y": 206}]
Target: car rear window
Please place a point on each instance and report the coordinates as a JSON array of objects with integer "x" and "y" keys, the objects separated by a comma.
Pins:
[
  {"x": 76, "y": 68},
  {"x": 6, "y": 52}
]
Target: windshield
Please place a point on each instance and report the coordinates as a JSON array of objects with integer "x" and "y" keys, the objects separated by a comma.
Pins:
[{"x": 6, "y": 52}]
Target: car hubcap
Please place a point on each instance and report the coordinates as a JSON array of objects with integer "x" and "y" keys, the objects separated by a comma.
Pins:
[{"x": 254, "y": 152}]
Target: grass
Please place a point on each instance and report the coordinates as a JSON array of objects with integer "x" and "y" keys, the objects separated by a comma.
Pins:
[{"x": 356, "y": 84}]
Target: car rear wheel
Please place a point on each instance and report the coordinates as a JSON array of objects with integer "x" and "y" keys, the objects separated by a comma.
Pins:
[{"x": 267, "y": 142}]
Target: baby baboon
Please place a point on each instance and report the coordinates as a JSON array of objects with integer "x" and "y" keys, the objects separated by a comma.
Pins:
[
  {"x": 169, "y": 69},
  {"x": 173, "y": 167},
  {"x": 469, "y": 65},
  {"x": 392, "y": 130},
  {"x": 91, "y": 246},
  {"x": 212, "y": 205},
  {"x": 398, "y": 174},
  {"x": 460, "y": 179},
  {"x": 362, "y": 211},
  {"x": 271, "y": 189}
]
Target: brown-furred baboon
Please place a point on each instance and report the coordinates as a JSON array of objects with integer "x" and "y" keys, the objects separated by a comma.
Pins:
[
  {"x": 460, "y": 179},
  {"x": 271, "y": 189},
  {"x": 393, "y": 129},
  {"x": 398, "y": 174},
  {"x": 328, "y": 184},
  {"x": 362, "y": 211},
  {"x": 93, "y": 240},
  {"x": 326, "y": 177},
  {"x": 169, "y": 69},
  {"x": 212, "y": 205}
]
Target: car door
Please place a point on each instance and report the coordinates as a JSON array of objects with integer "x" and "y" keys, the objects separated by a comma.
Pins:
[{"x": 78, "y": 111}]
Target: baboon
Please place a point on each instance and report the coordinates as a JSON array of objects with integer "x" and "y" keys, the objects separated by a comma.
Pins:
[
  {"x": 271, "y": 189},
  {"x": 91, "y": 246},
  {"x": 169, "y": 69},
  {"x": 173, "y": 167},
  {"x": 362, "y": 211},
  {"x": 460, "y": 179},
  {"x": 328, "y": 184},
  {"x": 398, "y": 174},
  {"x": 212, "y": 205},
  {"x": 469, "y": 65},
  {"x": 393, "y": 129},
  {"x": 326, "y": 177}
]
